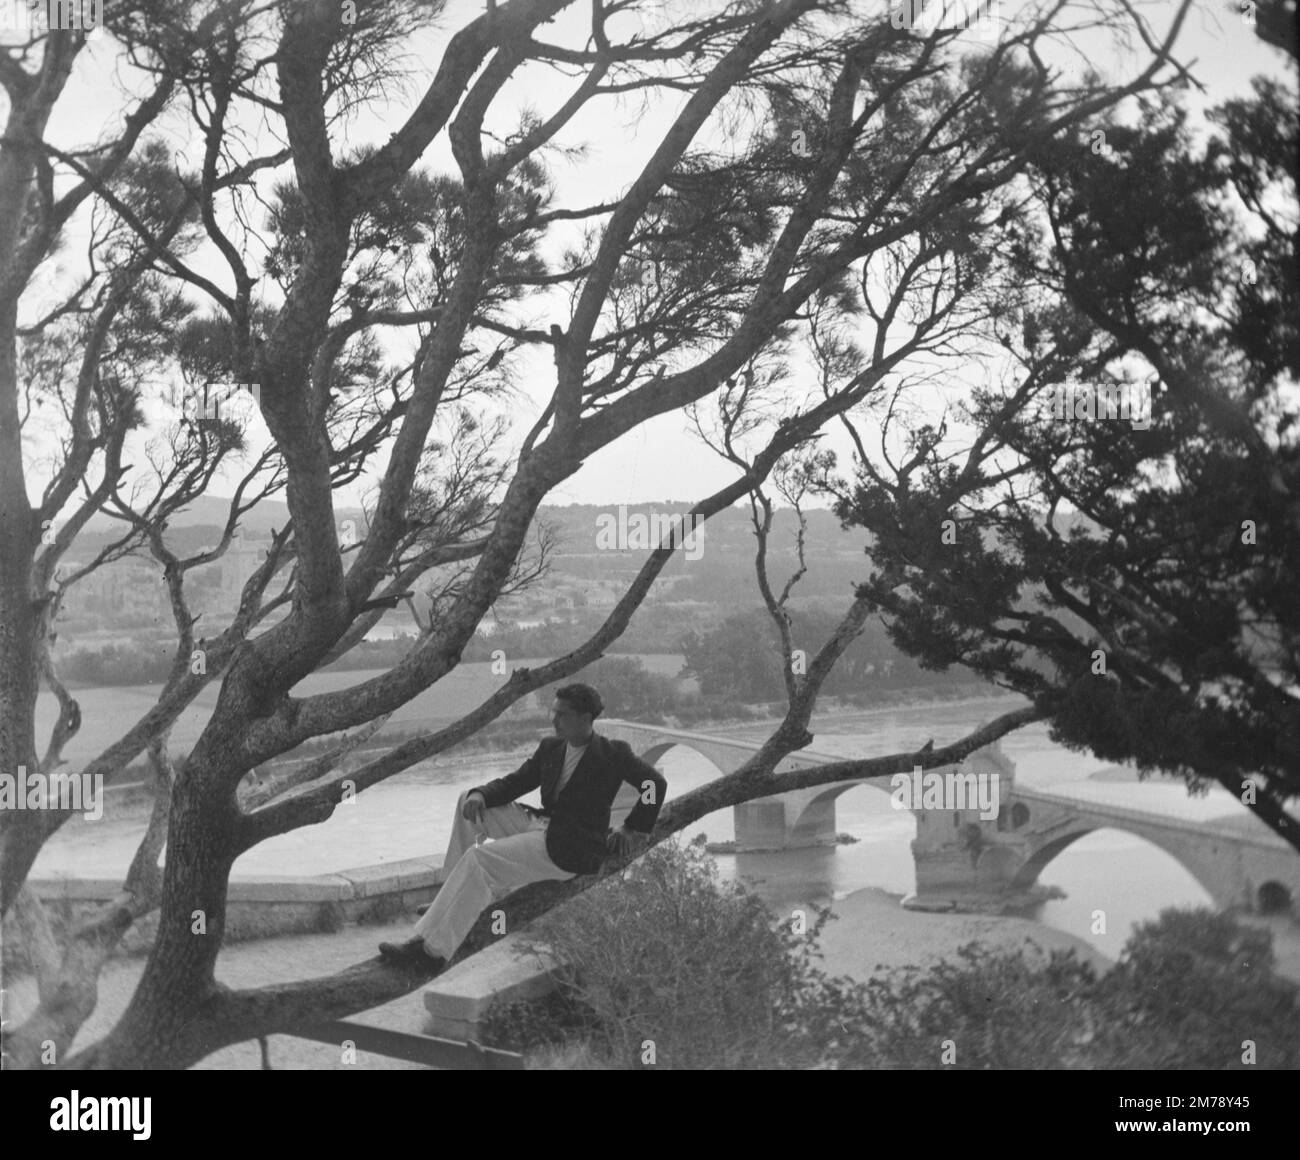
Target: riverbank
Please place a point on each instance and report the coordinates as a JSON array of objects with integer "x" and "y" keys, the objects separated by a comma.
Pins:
[
  {"x": 871, "y": 931},
  {"x": 833, "y": 717}
]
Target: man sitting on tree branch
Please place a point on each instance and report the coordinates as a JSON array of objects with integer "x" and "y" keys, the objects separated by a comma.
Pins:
[{"x": 579, "y": 773}]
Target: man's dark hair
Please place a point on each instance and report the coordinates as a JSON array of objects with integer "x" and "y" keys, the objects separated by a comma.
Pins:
[{"x": 581, "y": 698}]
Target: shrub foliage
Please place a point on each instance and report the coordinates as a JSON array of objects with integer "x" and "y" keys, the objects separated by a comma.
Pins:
[{"x": 674, "y": 969}]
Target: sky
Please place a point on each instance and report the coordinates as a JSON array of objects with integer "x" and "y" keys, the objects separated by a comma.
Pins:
[{"x": 663, "y": 459}]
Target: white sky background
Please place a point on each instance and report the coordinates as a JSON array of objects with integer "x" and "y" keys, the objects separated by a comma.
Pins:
[{"x": 663, "y": 459}]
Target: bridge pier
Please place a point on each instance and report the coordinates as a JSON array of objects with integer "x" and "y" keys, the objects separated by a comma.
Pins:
[
  {"x": 785, "y": 822},
  {"x": 788, "y": 821},
  {"x": 963, "y": 858}
]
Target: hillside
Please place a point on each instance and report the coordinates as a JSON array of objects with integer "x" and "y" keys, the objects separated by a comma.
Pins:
[{"x": 587, "y": 567}]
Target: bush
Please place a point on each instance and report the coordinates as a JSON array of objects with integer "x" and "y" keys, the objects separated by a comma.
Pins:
[
  {"x": 117, "y": 664},
  {"x": 331, "y": 918},
  {"x": 982, "y": 1010},
  {"x": 558, "y": 1020},
  {"x": 15, "y": 950},
  {"x": 703, "y": 972},
  {"x": 1191, "y": 990},
  {"x": 672, "y": 958},
  {"x": 384, "y": 910}
]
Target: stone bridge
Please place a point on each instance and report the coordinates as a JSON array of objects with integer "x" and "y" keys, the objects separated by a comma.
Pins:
[{"x": 962, "y": 857}]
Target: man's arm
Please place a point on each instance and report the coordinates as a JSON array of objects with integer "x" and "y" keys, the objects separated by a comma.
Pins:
[
  {"x": 514, "y": 785},
  {"x": 651, "y": 787}
]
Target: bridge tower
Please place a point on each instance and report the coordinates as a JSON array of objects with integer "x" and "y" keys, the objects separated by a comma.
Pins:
[{"x": 962, "y": 857}]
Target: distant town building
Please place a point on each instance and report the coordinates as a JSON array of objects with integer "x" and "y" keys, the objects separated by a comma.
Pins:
[
  {"x": 124, "y": 590},
  {"x": 240, "y": 561}
]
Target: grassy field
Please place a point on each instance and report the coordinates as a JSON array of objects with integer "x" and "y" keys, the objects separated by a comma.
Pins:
[{"x": 108, "y": 712}]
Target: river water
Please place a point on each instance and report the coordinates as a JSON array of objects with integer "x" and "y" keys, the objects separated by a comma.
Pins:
[{"x": 409, "y": 816}]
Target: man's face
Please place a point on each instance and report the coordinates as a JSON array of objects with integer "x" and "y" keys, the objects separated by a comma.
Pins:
[{"x": 569, "y": 723}]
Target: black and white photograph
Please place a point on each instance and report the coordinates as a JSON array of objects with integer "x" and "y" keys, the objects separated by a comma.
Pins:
[{"x": 654, "y": 535}]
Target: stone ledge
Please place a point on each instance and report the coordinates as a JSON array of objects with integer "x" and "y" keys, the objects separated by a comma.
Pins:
[
  {"x": 504, "y": 972},
  {"x": 401, "y": 879},
  {"x": 272, "y": 888},
  {"x": 393, "y": 877},
  {"x": 97, "y": 889}
]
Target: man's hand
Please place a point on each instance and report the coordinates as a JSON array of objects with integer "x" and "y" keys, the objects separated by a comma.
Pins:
[
  {"x": 621, "y": 843},
  {"x": 475, "y": 807}
]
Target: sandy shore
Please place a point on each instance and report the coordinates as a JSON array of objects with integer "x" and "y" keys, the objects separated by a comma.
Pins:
[{"x": 871, "y": 930}]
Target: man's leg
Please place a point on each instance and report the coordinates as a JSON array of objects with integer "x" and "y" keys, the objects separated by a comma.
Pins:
[
  {"x": 498, "y": 822},
  {"x": 481, "y": 874}
]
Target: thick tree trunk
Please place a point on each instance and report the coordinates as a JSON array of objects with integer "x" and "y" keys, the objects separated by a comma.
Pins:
[
  {"x": 21, "y": 832},
  {"x": 178, "y": 981}
]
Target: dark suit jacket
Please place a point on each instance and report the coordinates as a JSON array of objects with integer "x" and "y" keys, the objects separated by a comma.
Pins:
[{"x": 575, "y": 838}]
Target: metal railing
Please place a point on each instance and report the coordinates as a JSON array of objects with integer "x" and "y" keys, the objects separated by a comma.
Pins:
[{"x": 447, "y": 1054}]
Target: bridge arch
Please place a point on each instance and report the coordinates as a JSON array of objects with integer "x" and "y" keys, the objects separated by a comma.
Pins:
[
  {"x": 626, "y": 797},
  {"x": 655, "y": 752},
  {"x": 1029, "y": 871},
  {"x": 650, "y": 743},
  {"x": 652, "y": 753},
  {"x": 1274, "y": 897},
  {"x": 809, "y": 815},
  {"x": 835, "y": 789},
  {"x": 1032, "y": 828},
  {"x": 815, "y": 809}
]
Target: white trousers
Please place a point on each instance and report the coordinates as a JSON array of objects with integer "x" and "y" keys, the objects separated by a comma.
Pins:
[{"x": 475, "y": 875}]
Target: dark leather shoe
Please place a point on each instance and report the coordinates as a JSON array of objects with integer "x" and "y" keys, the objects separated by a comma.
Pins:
[{"x": 411, "y": 953}]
